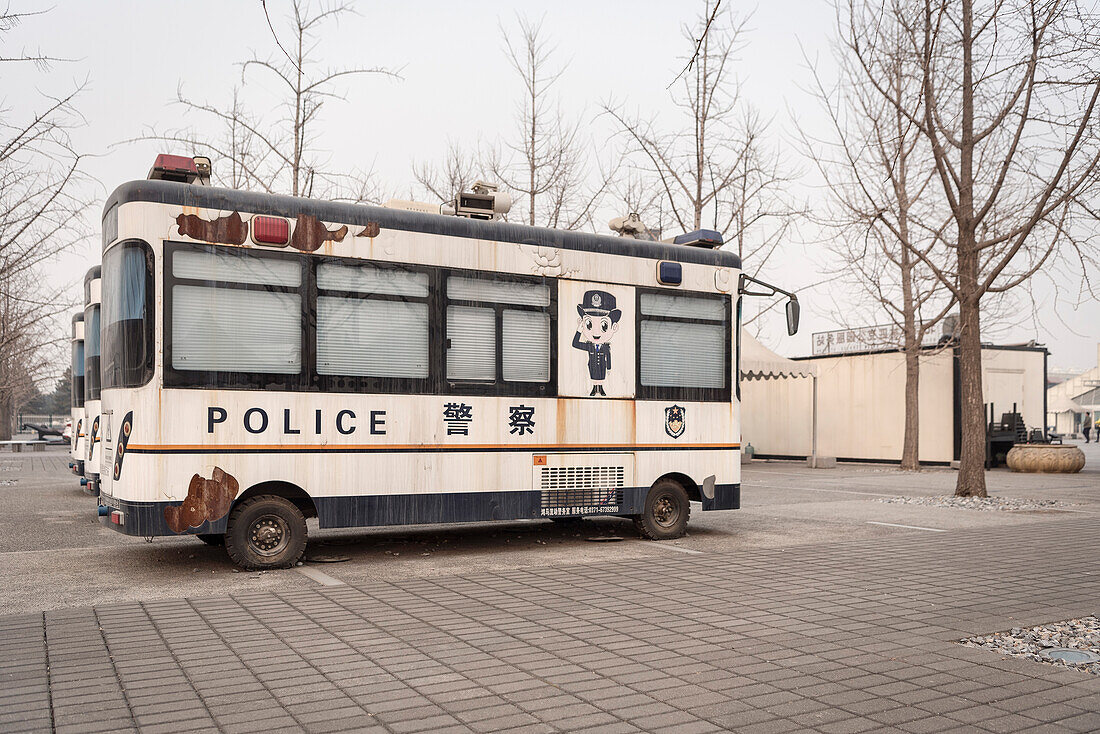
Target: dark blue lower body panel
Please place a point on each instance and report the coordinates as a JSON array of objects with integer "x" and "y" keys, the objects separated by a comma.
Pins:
[
  {"x": 147, "y": 518},
  {"x": 726, "y": 497}
]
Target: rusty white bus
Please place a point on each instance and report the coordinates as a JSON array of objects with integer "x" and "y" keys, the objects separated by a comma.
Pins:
[
  {"x": 93, "y": 435},
  {"x": 269, "y": 359},
  {"x": 76, "y": 401}
]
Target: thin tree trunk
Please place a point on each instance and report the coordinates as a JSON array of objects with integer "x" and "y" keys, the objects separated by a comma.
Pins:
[
  {"x": 532, "y": 164},
  {"x": 971, "y": 479},
  {"x": 910, "y": 452},
  {"x": 910, "y": 448},
  {"x": 5, "y": 415}
]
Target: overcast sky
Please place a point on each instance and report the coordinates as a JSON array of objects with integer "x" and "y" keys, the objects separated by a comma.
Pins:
[{"x": 456, "y": 85}]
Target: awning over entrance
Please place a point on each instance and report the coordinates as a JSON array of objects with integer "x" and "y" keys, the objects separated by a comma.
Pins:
[
  {"x": 1062, "y": 404},
  {"x": 760, "y": 363}
]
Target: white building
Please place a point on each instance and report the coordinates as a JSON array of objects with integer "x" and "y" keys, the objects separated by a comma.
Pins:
[
  {"x": 1071, "y": 403},
  {"x": 861, "y": 402}
]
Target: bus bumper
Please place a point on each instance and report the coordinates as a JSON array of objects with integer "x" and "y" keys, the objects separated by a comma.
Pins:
[{"x": 146, "y": 519}]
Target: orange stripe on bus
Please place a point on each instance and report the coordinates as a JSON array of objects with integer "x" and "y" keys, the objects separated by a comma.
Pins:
[{"x": 430, "y": 446}]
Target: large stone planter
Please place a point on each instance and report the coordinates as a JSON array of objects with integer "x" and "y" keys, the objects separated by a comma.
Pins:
[{"x": 1045, "y": 458}]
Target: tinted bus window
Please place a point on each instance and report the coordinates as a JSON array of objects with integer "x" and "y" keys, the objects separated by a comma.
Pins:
[
  {"x": 78, "y": 374},
  {"x": 91, "y": 353},
  {"x": 127, "y": 315}
]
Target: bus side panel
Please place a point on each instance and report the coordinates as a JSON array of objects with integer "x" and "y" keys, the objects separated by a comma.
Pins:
[{"x": 387, "y": 459}]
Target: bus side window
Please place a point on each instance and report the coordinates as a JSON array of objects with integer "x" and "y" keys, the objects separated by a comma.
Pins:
[
  {"x": 234, "y": 314},
  {"x": 498, "y": 331},
  {"x": 372, "y": 321},
  {"x": 683, "y": 346}
]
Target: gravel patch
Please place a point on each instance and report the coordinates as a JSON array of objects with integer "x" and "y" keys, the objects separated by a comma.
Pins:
[
  {"x": 988, "y": 504},
  {"x": 1047, "y": 642}
]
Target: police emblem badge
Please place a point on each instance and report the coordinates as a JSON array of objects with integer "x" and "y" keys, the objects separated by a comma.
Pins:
[{"x": 674, "y": 421}]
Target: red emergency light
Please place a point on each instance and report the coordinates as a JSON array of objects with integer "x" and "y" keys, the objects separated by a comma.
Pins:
[
  {"x": 174, "y": 168},
  {"x": 270, "y": 230}
]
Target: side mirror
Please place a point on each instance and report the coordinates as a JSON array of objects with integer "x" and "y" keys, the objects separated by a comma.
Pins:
[{"x": 792, "y": 316}]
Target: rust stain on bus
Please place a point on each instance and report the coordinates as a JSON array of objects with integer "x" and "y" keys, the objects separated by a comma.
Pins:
[
  {"x": 231, "y": 230},
  {"x": 310, "y": 233},
  {"x": 207, "y": 500},
  {"x": 371, "y": 230},
  {"x": 560, "y": 428}
]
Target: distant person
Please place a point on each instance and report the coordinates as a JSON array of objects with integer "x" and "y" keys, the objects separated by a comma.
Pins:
[{"x": 1086, "y": 428}]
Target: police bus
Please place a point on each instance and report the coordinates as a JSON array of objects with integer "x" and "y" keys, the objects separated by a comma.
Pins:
[
  {"x": 93, "y": 437},
  {"x": 76, "y": 402},
  {"x": 268, "y": 359}
]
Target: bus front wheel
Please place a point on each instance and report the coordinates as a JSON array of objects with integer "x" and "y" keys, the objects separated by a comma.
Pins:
[
  {"x": 266, "y": 532},
  {"x": 665, "y": 513}
]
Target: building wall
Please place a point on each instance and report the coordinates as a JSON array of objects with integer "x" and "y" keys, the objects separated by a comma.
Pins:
[
  {"x": 861, "y": 404},
  {"x": 776, "y": 415},
  {"x": 861, "y": 409},
  {"x": 1014, "y": 376},
  {"x": 864, "y": 399}
]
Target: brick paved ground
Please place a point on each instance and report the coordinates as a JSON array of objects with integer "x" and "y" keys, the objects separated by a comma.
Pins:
[{"x": 837, "y": 637}]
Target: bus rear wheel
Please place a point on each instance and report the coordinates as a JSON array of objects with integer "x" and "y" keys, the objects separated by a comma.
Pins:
[
  {"x": 665, "y": 513},
  {"x": 266, "y": 532}
]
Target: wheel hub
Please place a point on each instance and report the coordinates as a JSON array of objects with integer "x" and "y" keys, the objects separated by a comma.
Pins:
[
  {"x": 268, "y": 535},
  {"x": 664, "y": 511}
]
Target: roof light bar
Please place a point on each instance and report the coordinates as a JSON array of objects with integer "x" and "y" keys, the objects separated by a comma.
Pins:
[
  {"x": 174, "y": 168},
  {"x": 699, "y": 238}
]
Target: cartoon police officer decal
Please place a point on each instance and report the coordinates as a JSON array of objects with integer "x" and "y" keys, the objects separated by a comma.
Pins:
[
  {"x": 674, "y": 421},
  {"x": 599, "y": 320}
]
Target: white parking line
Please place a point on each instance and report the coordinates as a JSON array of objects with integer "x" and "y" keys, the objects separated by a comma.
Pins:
[
  {"x": 678, "y": 549},
  {"x": 59, "y": 550},
  {"x": 319, "y": 576},
  {"x": 808, "y": 489},
  {"x": 907, "y": 527}
]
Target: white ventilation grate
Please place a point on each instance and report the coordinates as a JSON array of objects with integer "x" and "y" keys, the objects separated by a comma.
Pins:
[{"x": 579, "y": 486}]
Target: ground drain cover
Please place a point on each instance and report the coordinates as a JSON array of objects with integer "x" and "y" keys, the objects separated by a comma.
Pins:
[
  {"x": 327, "y": 559},
  {"x": 1070, "y": 655}
]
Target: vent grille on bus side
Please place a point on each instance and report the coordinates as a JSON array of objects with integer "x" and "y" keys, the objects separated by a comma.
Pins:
[{"x": 577, "y": 486}]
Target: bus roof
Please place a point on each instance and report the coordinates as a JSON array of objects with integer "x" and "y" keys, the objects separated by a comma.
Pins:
[{"x": 206, "y": 197}]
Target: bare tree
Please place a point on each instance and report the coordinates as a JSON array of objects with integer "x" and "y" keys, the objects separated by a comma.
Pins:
[
  {"x": 459, "y": 170},
  {"x": 41, "y": 208},
  {"x": 883, "y": 214},
  {"x": 29, "y": 343},
  {"x": 1008, "y": 108},
  {"x": 716, "y": 169},
  {"x": 283, "y": 155},
  {"x": 547, "y": 163}
]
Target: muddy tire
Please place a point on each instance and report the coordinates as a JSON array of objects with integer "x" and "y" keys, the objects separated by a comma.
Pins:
[
  {"x": 665, "y": 513},
  {"x": 265, "y": 532},
  {"x": 211, "y": 538}
]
